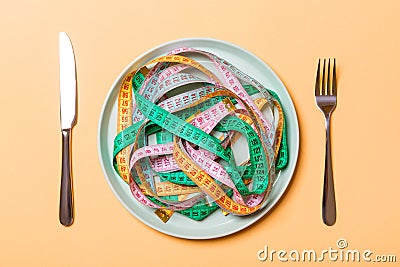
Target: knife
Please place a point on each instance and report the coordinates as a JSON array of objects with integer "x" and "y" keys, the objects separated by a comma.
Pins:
[{"x": 68, "y": 112}]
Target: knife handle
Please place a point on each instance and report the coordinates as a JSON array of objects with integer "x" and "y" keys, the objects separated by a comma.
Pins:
[{"x": 66, "y": 214}]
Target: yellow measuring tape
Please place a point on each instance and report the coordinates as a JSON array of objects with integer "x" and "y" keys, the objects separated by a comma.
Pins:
[{"x": 194, "y": 198}]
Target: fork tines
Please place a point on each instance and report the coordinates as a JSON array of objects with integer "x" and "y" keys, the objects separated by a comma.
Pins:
[{"x": 326, "y": 86}]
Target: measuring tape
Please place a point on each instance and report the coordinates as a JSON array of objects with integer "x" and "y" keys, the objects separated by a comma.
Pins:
[{"x": 179, "y": 134}]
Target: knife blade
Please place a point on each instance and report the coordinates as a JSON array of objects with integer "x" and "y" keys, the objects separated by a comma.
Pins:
[{"x": 68, "y": 110}]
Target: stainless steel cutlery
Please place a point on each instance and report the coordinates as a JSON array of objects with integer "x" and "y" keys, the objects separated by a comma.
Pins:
[
  {"x": 68, "y": 112},
  {"x": 326, "y": 96}
]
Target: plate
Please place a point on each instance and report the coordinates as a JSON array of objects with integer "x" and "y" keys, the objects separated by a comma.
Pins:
[{"x": 215, "y": 225}]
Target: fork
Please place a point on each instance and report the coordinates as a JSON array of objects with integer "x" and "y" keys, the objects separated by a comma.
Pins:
[{"x": 325, "y": 96}]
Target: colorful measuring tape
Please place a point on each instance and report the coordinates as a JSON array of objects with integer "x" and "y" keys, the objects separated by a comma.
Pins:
[{"x": 183, "y": 130}]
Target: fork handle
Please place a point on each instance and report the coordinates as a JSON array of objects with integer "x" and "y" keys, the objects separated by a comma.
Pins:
[{"x": 328, "y": 198}]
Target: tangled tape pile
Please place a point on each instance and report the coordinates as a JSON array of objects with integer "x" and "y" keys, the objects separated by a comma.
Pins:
[{"x": 192, "y": 139}]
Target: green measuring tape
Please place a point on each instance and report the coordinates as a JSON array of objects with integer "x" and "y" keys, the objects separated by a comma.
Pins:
[{"x": 166, "y": 115}]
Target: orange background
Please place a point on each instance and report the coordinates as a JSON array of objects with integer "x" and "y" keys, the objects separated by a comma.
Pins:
[{"x": 364, "y": 36}]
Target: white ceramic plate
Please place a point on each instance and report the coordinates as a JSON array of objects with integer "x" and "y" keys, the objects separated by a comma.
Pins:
[{"x": 216, "y": 225}]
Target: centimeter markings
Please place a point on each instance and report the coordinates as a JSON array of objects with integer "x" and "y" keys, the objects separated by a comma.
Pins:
[
  {"x": 124, "y": 120},
  {"x": 150, "y": 86}
]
